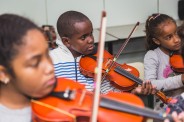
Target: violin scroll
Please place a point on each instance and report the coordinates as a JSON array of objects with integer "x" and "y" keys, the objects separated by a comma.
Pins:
[{"x": 164, "y": 98}]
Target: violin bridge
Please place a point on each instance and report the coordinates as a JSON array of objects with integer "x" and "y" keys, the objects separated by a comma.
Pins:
[{"x": 82, "y": 97}]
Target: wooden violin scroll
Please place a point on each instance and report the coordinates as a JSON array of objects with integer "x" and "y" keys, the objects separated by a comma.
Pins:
[{"x": 162, "y": 96}]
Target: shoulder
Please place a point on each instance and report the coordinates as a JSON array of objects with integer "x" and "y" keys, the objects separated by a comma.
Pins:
[
  {"x": 55, "y": 51},
  {"x": 151, "y": 58},
  {"x": 56, "y": 55},
  {"x": 58, "y": 50},
  {"x": 150, "y": 54}
]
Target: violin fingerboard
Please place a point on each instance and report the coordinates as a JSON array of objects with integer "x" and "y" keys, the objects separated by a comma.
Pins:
[{"x": 128, "y": 75}]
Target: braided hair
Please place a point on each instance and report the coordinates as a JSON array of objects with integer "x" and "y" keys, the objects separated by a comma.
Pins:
[
  {"x": 13, "y": 28},
  {"x": 152, "y": 28}
]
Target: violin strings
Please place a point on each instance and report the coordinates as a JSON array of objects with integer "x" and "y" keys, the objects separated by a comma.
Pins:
[
  {"x": 54, "y": 108},
  {"x": 119, "y": 52}
]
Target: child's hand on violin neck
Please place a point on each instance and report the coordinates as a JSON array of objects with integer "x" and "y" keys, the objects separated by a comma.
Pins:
[{"x": 146, "y": 88}]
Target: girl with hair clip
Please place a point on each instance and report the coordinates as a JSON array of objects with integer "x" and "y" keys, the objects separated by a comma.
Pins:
[
  {"x": 26, "y": 70},
  {"x": 162, "y": 39}
]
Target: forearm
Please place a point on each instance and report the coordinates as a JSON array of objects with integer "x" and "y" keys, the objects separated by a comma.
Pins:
[{"x": 168, "y": 83}]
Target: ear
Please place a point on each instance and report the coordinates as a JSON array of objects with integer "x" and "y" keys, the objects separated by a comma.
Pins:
[
  {"x": 66, "y": 41},
  {"x": 4, "y": 77},
  {"x": 156, "y": 41}
]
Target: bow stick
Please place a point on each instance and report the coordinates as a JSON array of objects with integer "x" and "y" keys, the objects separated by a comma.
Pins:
[{"x": 98, "y": 69}]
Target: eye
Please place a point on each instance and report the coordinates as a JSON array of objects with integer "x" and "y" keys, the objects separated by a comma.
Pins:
[
  {"x": 35, "y": 63},
  {"x": 168, "y": 37},
  {"x": 83, "y": 37}
]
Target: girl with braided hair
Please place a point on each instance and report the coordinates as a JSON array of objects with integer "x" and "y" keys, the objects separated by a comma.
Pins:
[
  {"x": 26, "y": 70},
  {"x": 161, "y": 40}
]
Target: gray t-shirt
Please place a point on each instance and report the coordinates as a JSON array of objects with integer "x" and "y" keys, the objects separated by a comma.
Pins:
[{"x": 15, "y": 115}]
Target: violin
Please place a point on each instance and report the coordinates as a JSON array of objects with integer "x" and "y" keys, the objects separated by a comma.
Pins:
[
  {"x": 176, "y": 62},
  {"x": 124, "y": 76},
  {"x": 70, "y": 102},
  {"x": 88, "y": 63},
  {"x": 108, "y": 66}
]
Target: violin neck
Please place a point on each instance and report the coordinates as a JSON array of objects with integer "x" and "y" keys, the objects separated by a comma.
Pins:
[
  {"x": 130, "y": 76},
  {"x": 132, "y": 109}
]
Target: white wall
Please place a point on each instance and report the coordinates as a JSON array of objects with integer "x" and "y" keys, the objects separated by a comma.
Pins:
[
  {"x": 124, "y": 12},
  {"x": 33, "y": 9},
  {"x": 169, "y": 7},
  {"x": 119, "y": 12},
  {"x": 91, "y": 8}
]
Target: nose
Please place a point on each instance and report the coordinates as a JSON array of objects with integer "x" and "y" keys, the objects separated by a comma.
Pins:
[
  {"x": 49, "y": 67},
  {"x": 176, "y": 38},
  {"x": 90, "y": 39}
]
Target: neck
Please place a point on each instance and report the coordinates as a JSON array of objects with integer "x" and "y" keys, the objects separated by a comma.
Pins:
[
  {"x": 11, "y": 98},
  {"x": 166, "y": 50},
  {"x": 75, "y": 53}
]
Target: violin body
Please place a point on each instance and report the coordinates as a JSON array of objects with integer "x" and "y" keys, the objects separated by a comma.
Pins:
[
  {"x": 176, "y": 62},
  {"x": 79, "y": 109},
  {"x": 88, "y": 64}
]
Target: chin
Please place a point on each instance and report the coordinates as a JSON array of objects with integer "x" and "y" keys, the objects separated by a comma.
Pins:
[
  {"x": 177, "y": 49},
  {"x": 42, "y": 95}
]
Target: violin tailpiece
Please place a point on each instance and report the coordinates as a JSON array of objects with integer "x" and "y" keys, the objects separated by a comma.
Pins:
[{"x": 67, "y": 94}]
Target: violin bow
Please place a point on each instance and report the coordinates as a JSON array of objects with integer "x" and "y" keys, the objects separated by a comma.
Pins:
[
  {"x": 119, "y": 52},
  {"x": 98, "y": 70}
]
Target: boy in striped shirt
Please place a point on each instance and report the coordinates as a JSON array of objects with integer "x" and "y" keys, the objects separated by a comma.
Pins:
[{"x": 76, "y": 33}]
